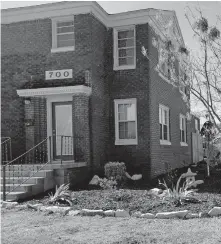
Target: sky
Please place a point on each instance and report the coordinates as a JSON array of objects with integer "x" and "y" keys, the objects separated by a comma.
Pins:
[{"x": 210, "y": 9}]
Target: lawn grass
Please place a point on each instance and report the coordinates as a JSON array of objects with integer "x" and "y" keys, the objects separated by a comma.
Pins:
[{"x": 19, "y": 227}]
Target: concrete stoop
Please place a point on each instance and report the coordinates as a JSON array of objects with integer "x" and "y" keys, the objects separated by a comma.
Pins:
[{"x": 30, "y": 180}]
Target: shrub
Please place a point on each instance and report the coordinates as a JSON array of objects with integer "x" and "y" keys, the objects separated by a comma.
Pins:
[
  {"x": 108, "y": 184},
  {"x": 115, "y": 170}
]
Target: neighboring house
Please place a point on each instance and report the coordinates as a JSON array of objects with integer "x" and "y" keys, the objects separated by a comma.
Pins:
[{"x": 72, "y": 69}]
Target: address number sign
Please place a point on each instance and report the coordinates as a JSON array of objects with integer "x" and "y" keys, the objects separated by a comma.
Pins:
[{"x": 58, "y": 74}]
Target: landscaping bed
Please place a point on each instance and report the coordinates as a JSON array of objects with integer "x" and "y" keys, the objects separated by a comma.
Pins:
[{"x": 135, "y": 200}]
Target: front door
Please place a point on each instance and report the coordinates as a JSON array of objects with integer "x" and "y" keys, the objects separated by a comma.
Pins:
[{"x": 62, "y": 130}]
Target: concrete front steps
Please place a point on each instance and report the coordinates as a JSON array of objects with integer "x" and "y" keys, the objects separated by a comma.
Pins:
[{"x": 29, "y": 180}]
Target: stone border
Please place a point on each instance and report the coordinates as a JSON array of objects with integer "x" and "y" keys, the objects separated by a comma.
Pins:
[{"x": 185, "y": 214}]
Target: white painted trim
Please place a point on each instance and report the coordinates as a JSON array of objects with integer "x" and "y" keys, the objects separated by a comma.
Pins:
[
  {"x": 115, "y": 46},
  {"x": 124, "y": 141},
  {"x": 54, "y": 91},
  {"x": 162, "y": 76},
  {"x": 185, "y": 130},
  {"x": 50, "y": 100},
  {"x": 73, "y": 8},
  {"x": 62, "y": 49},
  {"x": 164, "y": 142},
  {"x": 54, "y": 21},
  {"x": 183, "y": 144},
  {"x": 165, "y": 108}
]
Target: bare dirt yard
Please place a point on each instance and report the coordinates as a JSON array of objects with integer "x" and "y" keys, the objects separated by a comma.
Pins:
[{"x": 25, "y": 226}]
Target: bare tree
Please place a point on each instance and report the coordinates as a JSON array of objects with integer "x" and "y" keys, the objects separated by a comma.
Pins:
[
  {"x": 205, "y": 82},
  {"x": 199, "y": 72}
]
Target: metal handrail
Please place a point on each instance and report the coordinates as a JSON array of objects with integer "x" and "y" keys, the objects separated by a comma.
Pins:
[
  {"x": 27, "y": 151},
  {"x": 38, "y": 157},
  {"x": 39, "y": 154},
  {"x": 29, "y": 177},
  {"x": 8, "y": 139}
]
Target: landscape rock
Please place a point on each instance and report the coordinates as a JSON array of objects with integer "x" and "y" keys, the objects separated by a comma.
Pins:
[
  {"x": 9, "y": 205},
  {"x": 95, "y": 180},
  {"x": 204, "y": 215},
  {"x": 156, "y": 191},
  {"x": 136, "y": 214},
  {"x": 121, "y": 213},
  {"x": 55, "y": 209},
  {"x": 148, "y": 216},
  {"x": 74, "y": 212},
  {"x": 136, "y": 177},
  {"x": 171, "y": 215},
  {"x": 216, "y": 211},
  {"x": 192, "y": 215},
  {"x": 88, "y": 212},
  {"x": 109, "y": 213}
]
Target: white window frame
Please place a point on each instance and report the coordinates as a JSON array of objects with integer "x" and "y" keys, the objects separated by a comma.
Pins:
[
  {"x": 165, "y": 108},
  {"x": 183, "y": 117},
  {"x": 163, "y": 73},
  {"x": 115, "y": 40},
  {"x": 119, "y": 141},
  {"x": 54, "y": 34},
  {"x": 182, "y": 87},
  {"x": 196, "y": 125}
]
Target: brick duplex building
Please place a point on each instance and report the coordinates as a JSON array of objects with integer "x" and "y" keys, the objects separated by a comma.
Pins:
[{"x": 71, "y": 69}]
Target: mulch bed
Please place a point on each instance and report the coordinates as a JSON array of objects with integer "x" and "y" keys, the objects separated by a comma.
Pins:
[
  {"x": 141, "y": 200},
  {"x": 136, "y": 200}
]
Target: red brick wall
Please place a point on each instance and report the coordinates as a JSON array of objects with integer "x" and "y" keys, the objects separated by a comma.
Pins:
[
  {"x": 161, "y": 92},
  {"x": 100, "y": 96},
  {"x": 81, "y": 128},
  {"x": 132, "y": 84},
  {"x": 26, "y": 55}
]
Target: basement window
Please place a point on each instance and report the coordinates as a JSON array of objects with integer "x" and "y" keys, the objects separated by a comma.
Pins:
[{"x": 63, "y": 36}]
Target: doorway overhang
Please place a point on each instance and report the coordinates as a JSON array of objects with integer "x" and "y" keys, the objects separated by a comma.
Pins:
[
  {"x": 53, "y": 91},
  {"x": 55, "y": 94}
]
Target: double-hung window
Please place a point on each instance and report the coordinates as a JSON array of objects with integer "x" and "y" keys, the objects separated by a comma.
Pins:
[
  {"x": 196, "y": 125},
  {"x": 183, "y": 131},
  {"x": 63, "y": 38},
  {"x": 163, "y": 60},
  {"x": 125, "y": 121},
  {"x": 124, "y": 48},
  {"x": 164, "y": 121}
]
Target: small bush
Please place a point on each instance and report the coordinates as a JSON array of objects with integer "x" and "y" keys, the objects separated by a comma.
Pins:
[
  {"x": 108, "y": 184},
  {"x": 115, "y": 170}
]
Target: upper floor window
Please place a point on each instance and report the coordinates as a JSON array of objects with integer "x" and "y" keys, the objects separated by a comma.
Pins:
[
  {"x": 63, "y": 38},
  {"x": 196, "y": 125},
  {"x": 125, "y": 121},
  {"x": 183, "y": 130},
  {"x": 124, "y": 48},
  {"x": 164, "y": 121},
  {"x": 163, "y": 60}
]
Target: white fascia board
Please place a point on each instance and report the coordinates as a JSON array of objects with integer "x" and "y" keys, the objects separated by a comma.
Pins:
[
  {"x": 43, "y": 12},
  {"x": 43, "y": 92},
  {"x": 73, "y": 8}
]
